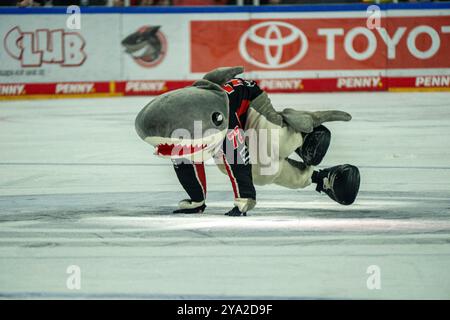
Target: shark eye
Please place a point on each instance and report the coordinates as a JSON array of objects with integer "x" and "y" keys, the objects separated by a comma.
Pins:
[{"x": 217, "y": 118}]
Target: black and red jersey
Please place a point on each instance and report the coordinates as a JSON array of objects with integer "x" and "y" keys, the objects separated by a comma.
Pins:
[
  {"x": 240, "y": 93},
  {"x": 234, "y": 155}
]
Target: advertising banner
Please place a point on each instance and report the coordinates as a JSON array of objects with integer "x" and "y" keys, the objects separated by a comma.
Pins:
[
  {"x": 40, "y": 48},
  {"x": 321, "y": 44}
]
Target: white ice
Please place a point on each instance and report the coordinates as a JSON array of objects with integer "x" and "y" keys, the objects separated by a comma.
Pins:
[{"x": 78, "y": 187}]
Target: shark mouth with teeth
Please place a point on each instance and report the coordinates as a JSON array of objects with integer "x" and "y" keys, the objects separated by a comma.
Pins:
[{"x": 177, "y": 150}]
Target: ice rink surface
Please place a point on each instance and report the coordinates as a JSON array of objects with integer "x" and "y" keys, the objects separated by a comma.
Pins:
[{"x": 78, "y": 187}]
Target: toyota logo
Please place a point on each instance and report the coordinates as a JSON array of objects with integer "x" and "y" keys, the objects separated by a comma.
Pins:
[{"x": 272, "y": 37}]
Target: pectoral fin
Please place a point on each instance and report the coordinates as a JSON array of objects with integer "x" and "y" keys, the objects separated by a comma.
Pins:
[
  {"x": 305, "y": 121},
  {"x": 330, "y": 115}
]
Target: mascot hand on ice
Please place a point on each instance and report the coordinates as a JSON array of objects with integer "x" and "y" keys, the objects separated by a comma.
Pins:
[{"x": 233, "y": 121}]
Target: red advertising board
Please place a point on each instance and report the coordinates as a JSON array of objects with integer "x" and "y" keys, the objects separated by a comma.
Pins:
[{"x": 321, "y": 44}]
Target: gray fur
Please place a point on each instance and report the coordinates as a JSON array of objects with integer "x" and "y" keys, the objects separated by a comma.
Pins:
[
  {"x": 304, "y": 121},
  {"x": 263, "y": 106},
  {"x": 180, "y": 108},
  {"x": 207, "y": 85},
  {"x": 320, "y": 117},
  {"x": 300, "y": 121}
]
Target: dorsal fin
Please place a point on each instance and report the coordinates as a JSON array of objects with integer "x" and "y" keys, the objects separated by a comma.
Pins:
[{"x": 222, "y": 75}]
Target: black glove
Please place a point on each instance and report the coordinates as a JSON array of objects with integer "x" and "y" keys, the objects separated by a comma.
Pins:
[
  {"x": 235, "y": 212},
  {"x": 189, "y": 206}
]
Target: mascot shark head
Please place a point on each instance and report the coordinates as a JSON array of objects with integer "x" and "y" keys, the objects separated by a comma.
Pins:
[{"x": 190, "y": 122}]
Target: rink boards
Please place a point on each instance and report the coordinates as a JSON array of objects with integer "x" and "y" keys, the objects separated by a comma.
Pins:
[{"x": 147, "y": 51}]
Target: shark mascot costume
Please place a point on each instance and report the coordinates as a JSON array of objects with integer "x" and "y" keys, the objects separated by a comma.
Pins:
[{"x": 233, "y": 121}]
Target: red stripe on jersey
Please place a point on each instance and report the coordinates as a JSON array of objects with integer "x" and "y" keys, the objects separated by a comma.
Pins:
[
  {"x": 231, "y": 176},
  {"x": 243, "y": 107},
  {"x": 200, "y": 169},
  {"x": 239, "y": 120}
]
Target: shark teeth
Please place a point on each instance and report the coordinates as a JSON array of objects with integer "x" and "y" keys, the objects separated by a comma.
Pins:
[{"x": 177, "y": 150}]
